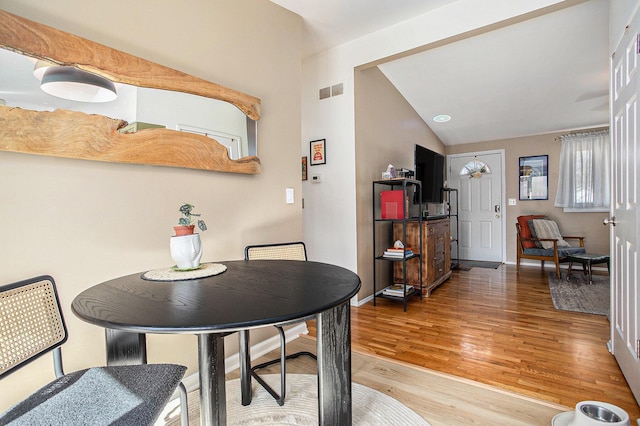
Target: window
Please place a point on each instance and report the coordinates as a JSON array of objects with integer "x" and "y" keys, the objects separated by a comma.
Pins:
[
  {"x": 474, "y": 169},
  {"x": 585, "y": 172}
]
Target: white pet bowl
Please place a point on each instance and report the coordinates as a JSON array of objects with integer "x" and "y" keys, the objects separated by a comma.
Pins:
[{"x": 593, "y": 413}]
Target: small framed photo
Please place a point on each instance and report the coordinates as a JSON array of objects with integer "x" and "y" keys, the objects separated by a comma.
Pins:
[
  {"x": 318, "y": 152},
  {"x": 304, "y": 168}
]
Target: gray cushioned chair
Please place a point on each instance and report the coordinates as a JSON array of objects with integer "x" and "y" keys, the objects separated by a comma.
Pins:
[
  {"x": 279, "y": 251},
  {"x": 31, "y": 325}
]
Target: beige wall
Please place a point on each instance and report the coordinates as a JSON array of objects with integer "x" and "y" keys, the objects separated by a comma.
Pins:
[
  {"x": 387, "y": 129},
  {"x": 588, "y": 225},
  {"x": 85, "y": 222}
]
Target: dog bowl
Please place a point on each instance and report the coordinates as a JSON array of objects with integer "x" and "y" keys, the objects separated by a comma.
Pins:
[
  {"x": 600, "y": 413},
  {"x": 593, "y": 413}
]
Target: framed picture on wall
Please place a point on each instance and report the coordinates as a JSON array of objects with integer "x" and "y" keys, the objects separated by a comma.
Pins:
[
  {"x": 534, "y": 177},
  {"x": 318, "y": 152},
  {"x": 304, "y": 168}
]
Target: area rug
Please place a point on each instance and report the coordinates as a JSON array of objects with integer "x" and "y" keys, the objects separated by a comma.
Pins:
[
  {"x": 577, "y": 295},
  {"x": 369, "y": 406}
]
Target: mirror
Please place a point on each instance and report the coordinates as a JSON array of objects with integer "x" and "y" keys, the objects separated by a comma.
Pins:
[
  {"x": 200, "y": 115},
  {"x": 140, "y": 106}
]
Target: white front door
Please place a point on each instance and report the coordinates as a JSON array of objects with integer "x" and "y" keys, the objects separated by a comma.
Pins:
[
  {"x": 481, "y": 226},
  {"x": 625, "y": 148}
]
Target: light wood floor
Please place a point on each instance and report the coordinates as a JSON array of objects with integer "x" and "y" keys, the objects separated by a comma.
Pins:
[
  {"x": 441, "y": 399},
  {"x": 499, "y": 328}
]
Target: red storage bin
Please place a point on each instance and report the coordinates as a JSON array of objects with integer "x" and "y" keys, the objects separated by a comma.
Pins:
[{"x": 391, "y": 204}]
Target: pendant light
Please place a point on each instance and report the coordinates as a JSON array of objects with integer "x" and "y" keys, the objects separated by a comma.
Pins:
[{"x": 77, "y": 85}]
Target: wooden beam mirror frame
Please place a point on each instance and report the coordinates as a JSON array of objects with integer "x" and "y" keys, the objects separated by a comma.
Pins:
[{"x": 71, "y": 134}]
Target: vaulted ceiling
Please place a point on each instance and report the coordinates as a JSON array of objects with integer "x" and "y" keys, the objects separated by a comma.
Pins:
[{"x": 547, "y": 74}]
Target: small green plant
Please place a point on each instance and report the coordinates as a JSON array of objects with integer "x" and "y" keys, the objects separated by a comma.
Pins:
[{"x": 188, "y": 219}]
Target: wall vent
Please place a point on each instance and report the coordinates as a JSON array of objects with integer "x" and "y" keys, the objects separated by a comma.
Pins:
[{"x": 327, "y": 92}]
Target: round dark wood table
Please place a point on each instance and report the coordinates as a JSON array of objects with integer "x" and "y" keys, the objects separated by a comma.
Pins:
[{"x": 247, "y": 295}]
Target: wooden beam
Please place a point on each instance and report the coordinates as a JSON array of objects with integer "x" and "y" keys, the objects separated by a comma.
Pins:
[{"x": 72, "y": 134}]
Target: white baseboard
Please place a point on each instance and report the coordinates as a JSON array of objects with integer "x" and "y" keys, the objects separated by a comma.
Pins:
[{"x": 365, "y": 300}]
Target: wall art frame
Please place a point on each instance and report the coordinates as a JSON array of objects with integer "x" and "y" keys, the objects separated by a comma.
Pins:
[
  {"x": 318, "y": 152},
  {"x": 534, "y": 177},
  {"x": 304, "y": 168}
]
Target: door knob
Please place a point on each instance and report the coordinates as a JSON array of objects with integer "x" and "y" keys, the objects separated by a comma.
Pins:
[
  {"x": 609, "y": 221},
  {"x": 496, "y": 208}
]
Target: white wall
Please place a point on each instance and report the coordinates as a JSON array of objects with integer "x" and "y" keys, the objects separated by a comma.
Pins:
[
  {"x": 85, "y": 222},
  {"x": 329, "y": 215}
]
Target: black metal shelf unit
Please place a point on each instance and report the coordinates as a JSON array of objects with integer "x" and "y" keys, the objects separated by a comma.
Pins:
[
  {"x": 407, "y": 290},
  {"x": 450, "y": 197}
]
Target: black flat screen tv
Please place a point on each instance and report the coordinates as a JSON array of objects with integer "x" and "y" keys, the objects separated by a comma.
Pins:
[{"x": 429, "y": 167}]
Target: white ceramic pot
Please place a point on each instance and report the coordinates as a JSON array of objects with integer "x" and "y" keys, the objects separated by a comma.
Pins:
[{"x": 186, "y": 251}]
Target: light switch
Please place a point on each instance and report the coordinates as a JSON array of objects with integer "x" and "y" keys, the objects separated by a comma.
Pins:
[
  {"x": 512, "y": 201},
  {"x": 289, "y": 195}
]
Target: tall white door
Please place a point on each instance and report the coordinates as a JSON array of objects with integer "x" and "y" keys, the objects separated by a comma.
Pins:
[
  {"x": 625, "y": 297},
  {"x": 481, "y": 225}
]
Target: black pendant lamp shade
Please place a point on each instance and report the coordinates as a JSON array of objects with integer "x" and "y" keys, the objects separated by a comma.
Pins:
[{"x": 77, "y": 85}]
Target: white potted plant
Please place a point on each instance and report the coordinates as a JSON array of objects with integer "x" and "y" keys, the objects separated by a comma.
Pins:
[{"x": 186, "y": 248}]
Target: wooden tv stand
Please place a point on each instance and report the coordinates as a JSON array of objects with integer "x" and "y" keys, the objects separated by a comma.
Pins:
[{"x": 435, "y": 250}]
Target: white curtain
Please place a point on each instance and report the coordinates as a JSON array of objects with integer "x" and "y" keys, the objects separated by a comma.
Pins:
[{"x": 585, "y": 171}]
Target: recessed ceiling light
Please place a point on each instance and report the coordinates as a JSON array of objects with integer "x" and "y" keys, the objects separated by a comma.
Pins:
[{"x": 441, "y": 118}]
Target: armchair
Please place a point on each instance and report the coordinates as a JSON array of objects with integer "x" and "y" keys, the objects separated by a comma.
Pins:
[{"x": 538, "y": 238}]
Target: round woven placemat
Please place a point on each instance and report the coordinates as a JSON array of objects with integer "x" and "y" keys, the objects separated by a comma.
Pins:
[{"x": 170, "y": 274}]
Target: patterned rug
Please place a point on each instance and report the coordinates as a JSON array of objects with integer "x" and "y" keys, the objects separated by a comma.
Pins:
[
  {"x": 577, "y": 295},
  {"x": 370, "y": 407}
]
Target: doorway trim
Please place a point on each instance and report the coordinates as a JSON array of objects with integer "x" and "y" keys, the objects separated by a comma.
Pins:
[{"x": 503, "y": 216}]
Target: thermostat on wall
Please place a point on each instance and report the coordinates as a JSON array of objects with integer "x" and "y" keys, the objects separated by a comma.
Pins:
[{"x": 316, "y": 178}]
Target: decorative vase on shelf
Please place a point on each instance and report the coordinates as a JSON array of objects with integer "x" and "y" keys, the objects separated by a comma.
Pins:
[{"x": 186, "y": 251}]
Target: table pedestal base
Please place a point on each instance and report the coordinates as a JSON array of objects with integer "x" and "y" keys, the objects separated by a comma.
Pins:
[
  {"x": 125, "y": 348},
  {"x": 213, "y": 407},
  {"x": 333, "y": 328}
]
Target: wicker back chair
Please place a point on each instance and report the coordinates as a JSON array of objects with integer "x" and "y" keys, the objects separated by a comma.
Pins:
[
  {"x": 31, "y": 325},
  {"x": 280, "y": 251}
]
